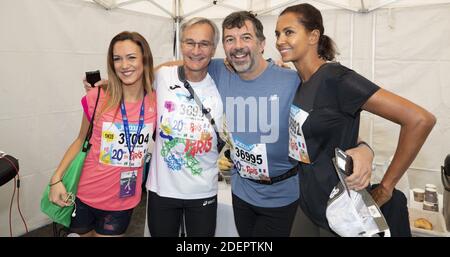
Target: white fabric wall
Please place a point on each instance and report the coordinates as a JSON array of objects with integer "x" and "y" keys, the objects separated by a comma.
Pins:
[
  {"x": 407, "y": 51},
  {"x": 412, "y": 59},
  {"x": 46, "y": 47}
]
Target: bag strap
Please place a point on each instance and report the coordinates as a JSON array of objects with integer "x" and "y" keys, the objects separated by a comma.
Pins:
[
  {"x": 86, "y": 144},
  {"x": 188, "y": 86}
]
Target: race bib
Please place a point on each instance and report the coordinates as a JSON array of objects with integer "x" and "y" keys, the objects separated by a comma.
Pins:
[
  {"x": 114, "y": 150},
  {"x": 297, "y": 143},
  {"x": 250, "y": 160},
  {"x": 185, "y": 120}
]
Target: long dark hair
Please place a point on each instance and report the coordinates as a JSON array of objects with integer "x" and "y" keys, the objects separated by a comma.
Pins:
[{"x": 310, "y": 17}]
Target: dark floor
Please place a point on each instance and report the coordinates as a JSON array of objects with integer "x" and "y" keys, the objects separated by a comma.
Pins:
[{"x": 135, "y": 229}]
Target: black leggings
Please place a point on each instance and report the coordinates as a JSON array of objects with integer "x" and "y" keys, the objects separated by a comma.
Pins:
[
  {"x": 254, "y": 221},
  {"x": 165, "y": 216},
  {"x": 111, "y": 223}
]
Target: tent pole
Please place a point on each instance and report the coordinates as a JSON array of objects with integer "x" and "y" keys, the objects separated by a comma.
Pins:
[
  {"x": 214, "y": 3},
  {"x": 108, "y": 5},
  {"x": 177, "y": 20},
  {"x": 374, "y": 25},
  {"x": 363, "y": 7},
  {"x": 352, "y": 28},
  {"x": 374, "y": 21},
  {"x": 177, "y": 38}
]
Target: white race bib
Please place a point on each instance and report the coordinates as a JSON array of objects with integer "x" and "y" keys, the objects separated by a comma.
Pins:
[
  {"x": 185, "y": 120},
  {"x": 250, "y": 160},
  {"x": 114, "y": 150},
  {"x": 297, "y": 143}
]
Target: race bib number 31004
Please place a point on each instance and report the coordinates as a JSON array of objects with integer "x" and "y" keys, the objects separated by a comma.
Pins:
[
  {"x": 250, "y": 160},
  {"x": 114, "y": 150},
  {"x": 297, "y": 143}
]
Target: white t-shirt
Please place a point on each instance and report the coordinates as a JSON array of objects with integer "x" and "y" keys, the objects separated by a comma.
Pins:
[{"x": 184, "y": 163}]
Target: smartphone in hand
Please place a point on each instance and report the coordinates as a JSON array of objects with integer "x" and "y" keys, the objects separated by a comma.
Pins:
[
  {"x": 344, "y": 162},
  {"x": 93, "y": 77},
  {"x": 227, "y": 154}
]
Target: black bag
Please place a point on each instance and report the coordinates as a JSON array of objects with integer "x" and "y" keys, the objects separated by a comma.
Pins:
[
  {"x": 9, "y": 166},
  {"x": 396, "y": 213}
]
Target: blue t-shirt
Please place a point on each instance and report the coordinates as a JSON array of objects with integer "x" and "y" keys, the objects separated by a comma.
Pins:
[{"x": 263, "y": 120}]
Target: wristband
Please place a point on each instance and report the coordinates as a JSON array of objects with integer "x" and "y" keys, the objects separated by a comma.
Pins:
[
  {"x": 366, "y": 144},
  {"x": 52, "y": 184}
]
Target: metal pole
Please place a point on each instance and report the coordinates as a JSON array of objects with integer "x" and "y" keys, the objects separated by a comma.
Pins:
[
  {"x": 177, "y": 29},
  {"x": 352, "y": 35},
  {"x": 374, "y": 26},
  {"x": 363, "y": 7}
]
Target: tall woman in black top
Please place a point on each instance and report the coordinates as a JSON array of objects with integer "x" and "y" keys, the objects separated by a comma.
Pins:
[{"x": 332, "y": 96}]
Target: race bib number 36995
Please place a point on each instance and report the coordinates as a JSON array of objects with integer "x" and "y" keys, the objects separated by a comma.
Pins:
[
  {"x": 250, "y": 160},
  {"x": 114, "y": 150}
]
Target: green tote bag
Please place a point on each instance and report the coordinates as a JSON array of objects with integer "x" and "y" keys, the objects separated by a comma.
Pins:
[
  {"x": 62, "y": 215},
  {"x": 71, "y": 177}
]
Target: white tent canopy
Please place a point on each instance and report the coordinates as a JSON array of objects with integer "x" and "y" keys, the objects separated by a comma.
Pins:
[
  {"x": 403, "y": 46},
  {"x": 220, "y": 8}
]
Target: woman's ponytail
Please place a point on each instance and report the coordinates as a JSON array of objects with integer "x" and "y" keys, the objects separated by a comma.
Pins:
[{"x": 326, "y": 48}]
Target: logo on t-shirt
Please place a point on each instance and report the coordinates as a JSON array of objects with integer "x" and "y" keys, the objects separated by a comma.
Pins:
[{"x": 174, "y": 87}]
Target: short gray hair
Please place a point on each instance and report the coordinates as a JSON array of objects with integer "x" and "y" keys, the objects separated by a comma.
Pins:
[{"x": 201, "y": 20}]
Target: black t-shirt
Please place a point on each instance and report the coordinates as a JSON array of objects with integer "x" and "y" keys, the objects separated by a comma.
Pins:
[{"x": 333, "y": 97}]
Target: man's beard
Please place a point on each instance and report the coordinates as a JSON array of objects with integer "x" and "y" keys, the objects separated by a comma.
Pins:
[{"x": 243, "y": 66}]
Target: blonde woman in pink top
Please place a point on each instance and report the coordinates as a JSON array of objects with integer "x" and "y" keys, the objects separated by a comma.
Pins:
[{"x": 110, "y": 183}]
